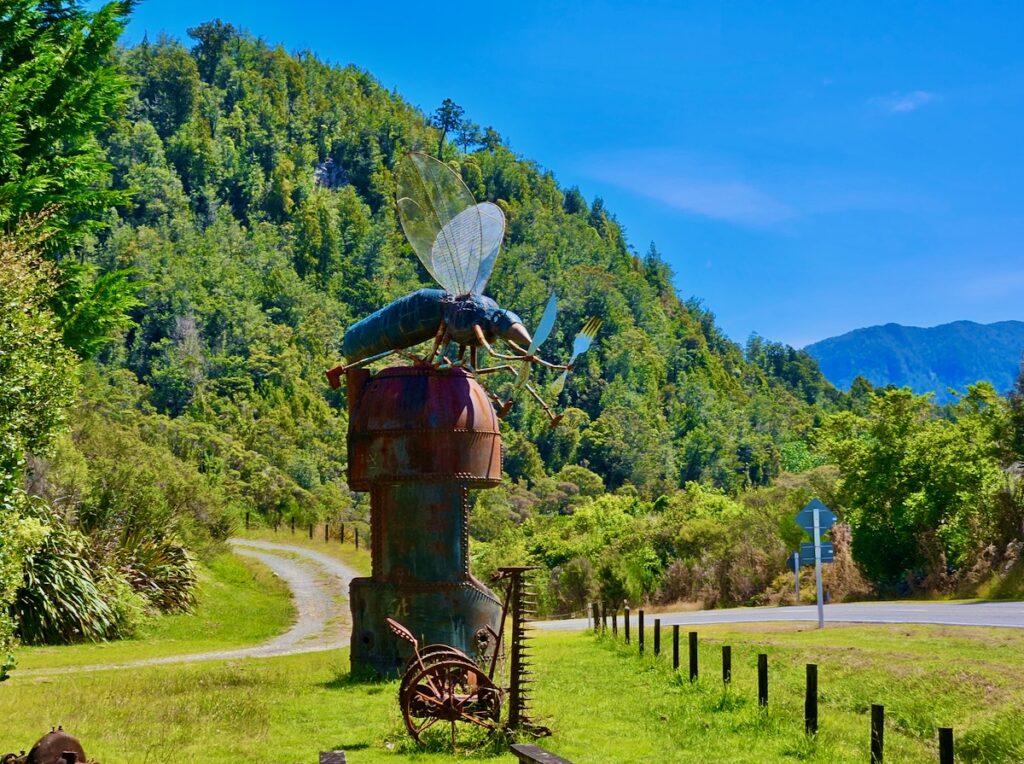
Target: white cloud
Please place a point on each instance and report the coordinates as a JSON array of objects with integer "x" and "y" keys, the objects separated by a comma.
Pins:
[
  {"x": 667, "y": 178},
  {"x": 903, "y": 103}
]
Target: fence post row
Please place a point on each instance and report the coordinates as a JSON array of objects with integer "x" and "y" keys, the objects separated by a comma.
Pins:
[
  {"x": 811, "y": 700},
  {"x": 762, "y": 680},
  {"x": 946, "y": 751}
]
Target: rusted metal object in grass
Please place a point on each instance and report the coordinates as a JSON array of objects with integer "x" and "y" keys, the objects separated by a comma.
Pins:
[{"x": 443, "y": 686}]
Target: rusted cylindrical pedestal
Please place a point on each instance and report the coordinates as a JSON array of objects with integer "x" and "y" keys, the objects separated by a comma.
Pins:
[{"x": 418, "y": 440}]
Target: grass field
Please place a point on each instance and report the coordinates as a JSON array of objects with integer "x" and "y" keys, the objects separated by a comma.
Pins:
[
  {"x": 240, "y": 603},
  {"x": 603, "y": 701}
]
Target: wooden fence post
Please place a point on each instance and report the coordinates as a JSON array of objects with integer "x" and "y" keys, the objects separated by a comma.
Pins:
[
  {"x": 247, "y": 521},
  {"x": 811, "y": 700},
  {"x": 877, "y": 734},
  {"x": 625, "y": 621},
  {"x": 357, "y": 538},
  {"x": 726, "y": 664},
  {"x": 594, "y": 614},
  {"x": 657, "y": 636},
  {"x": 341, "y": 532},
  {"x": 675, "y": 647},
  {"x": 762, "y": 680},
  {"x": 311, "y": 531},
  {"x": 293, "y": 526},
  {"x": 327, "y": 532},
  {"x": 640, "y": 629},
  {"x": 615, "y": 623},
  {"x": 693, "y": 656},
  {"x": 945, "y": 745},
  {"x": 604, "y": 618}
]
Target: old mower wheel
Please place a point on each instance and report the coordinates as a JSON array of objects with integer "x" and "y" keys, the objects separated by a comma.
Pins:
[{"x": 453, "y": 691}]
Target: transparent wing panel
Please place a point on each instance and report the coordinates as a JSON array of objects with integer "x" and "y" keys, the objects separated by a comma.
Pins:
[
  {"x": 492, "y": 232},
  {"x": 433, "y": 203}
]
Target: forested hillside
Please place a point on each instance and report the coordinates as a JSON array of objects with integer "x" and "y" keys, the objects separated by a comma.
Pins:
[
  {"x": 934, "y": 359},
  {"x": 221, "y": 211}
]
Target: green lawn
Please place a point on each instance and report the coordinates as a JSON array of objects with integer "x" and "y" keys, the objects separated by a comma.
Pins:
[
  {"x": 604, "y": 702},
  {"x": 240, "y": 603}
]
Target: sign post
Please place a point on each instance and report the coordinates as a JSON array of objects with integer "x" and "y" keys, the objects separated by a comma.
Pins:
[
  {"x": 817, "y": 566},
  {"x": 817, "y": 520},
  {"x": 796, "y": 574}
]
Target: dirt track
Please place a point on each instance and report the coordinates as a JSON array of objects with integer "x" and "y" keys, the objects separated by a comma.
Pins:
[{"x": 319, "y": 587}]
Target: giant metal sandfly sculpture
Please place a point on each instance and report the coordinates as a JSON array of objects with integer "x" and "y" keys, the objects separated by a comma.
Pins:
[
  {"x": 419, "y": 438},
  {"x": 458, "y": 241}
]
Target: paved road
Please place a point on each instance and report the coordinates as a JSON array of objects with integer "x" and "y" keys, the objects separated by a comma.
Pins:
[
  {"x": 1004, "y": 614},
  {"x": 319, "y": 587}
]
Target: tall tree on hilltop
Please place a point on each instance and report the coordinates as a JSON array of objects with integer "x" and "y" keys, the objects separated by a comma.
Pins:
[{"x": 447, "y": 118}]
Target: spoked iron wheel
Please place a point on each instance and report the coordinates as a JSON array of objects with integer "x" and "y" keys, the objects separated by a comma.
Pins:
[
  {"x": 427, "y": 656},
  {"x": 452, "y": 691}
]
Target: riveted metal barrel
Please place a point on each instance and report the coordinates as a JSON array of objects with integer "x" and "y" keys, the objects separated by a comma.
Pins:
[
  {"x": 419, "y": 438},
  {"x": 421, "y": 424}
]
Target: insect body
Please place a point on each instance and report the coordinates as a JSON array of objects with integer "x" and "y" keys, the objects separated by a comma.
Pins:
[{"x": 419, "y": 316}]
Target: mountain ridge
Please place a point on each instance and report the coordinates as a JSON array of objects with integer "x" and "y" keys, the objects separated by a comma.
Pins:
[{"x": 926, "y": 359}]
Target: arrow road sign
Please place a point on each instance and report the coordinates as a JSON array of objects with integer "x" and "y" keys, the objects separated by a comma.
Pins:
[
  {"x": 807, "y": 553},
  {"x": 805, "y": 517}
]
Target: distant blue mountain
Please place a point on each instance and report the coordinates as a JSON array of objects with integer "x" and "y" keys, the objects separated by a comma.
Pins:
[{"x": 925, "y": 360}]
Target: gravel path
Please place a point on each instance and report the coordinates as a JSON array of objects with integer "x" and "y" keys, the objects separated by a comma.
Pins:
[{"x": 319, "y": 587}]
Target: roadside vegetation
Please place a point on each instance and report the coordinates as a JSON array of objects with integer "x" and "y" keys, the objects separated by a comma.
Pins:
[
  {"x": 239, "y": 602},
  {"x": 603, "y": 702}
]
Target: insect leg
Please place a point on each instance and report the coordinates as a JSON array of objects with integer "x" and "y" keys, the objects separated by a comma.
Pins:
[
  {"x": 334, "y": 375},
  {"x": 492, "y": 369},
  {"x": 547, "y": 409},
  {"x": 490, "y": 350},
  {"x": 442, "y": 329}
]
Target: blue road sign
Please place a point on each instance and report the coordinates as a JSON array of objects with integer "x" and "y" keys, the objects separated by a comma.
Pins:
[
  {"x": 805, "y": 517},
  {"x": 807, "y": 553}
]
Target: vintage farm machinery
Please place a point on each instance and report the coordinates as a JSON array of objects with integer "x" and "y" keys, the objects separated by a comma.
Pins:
[{"x": 442, "y": 684}]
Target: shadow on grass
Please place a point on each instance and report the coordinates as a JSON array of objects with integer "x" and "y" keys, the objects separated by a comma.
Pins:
[{"x": 365, "y": 678}]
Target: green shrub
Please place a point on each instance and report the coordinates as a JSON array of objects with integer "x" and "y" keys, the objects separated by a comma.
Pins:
[
  {"x": 161, "y": 570},
  {"x": 130, "y": 610},
  {"x": 59, "y": 600}
]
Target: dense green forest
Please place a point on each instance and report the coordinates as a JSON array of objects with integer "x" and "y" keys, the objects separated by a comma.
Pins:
[{"x": 190, "y": 227}]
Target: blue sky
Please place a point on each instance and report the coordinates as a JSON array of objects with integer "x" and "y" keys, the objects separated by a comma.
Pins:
[{"x": 806, "y": 168}]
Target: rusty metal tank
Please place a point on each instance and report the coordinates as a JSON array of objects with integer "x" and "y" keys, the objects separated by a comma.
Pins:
[{"x": 419, "y": 439}]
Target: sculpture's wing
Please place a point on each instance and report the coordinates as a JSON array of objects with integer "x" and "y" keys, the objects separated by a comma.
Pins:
[
  {"x": 452, "y": 235},
  {"x": 492, "y": 227}
]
